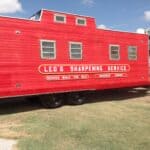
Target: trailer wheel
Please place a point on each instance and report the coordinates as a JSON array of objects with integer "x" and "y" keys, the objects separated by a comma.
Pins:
[
  {"x": 76, "y": 99},
  {"x": 51, "y": 101}
]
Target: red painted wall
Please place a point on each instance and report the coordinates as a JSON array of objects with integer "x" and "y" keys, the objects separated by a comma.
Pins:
[{"x": 20, "y": 55}]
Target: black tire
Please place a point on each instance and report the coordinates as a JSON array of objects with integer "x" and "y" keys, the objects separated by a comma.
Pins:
[
  {"x": 76, "y": 99},
  {"x": 51, "y": 101}
]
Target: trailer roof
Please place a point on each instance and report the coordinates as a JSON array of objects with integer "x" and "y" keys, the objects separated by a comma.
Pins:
[{"x": 41, "y": 13}]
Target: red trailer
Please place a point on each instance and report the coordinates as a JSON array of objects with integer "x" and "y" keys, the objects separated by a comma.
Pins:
[{"x": 55, "y": 52}]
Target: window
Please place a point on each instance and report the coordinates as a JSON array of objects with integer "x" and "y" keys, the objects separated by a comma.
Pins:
[
  {"x": 48, "y": 49},
  {"x": 132, "y": 52},
  {"x": 114, "y": 52},
  {"x": 75, "y": 50},
  {"x": 81, "y": 21},
  {"x": 60, "y": 18}
]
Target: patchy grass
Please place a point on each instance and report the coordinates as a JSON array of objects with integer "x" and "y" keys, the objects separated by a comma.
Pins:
[{"x": 109, "y": 121}]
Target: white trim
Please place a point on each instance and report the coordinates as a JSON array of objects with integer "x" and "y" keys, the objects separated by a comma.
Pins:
[
  {"x": 41, "y": 15},
  {"x": 110, "y": 51},
  {"x": 84, "y": 19},
  {"x": 70, "y": 50},
  {"x": 42, "y": 49},
  {"x": 60, "y": 15}
]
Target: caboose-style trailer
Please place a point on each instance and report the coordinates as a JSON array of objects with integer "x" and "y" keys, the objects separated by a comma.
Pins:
[{"x": 53, "y": 53}]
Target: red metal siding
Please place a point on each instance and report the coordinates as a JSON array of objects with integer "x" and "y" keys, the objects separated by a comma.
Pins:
[{"x": 20, "y": 55}]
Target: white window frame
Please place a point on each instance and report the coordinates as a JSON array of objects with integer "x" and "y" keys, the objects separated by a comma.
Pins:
[
  {"x": 71, "y": 49},
  {"x": 110, "y": 56},
  {"x": 53, "y": 41},
  {"x": 59, "y": 15},
  {"x": 129, "y": 58},
  {"x": 80, "y": 18}
]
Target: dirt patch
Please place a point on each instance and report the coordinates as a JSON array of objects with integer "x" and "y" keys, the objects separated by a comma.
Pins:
[
  {"x": 6, "y": 130},
  {"x": 6, "y": 144}
]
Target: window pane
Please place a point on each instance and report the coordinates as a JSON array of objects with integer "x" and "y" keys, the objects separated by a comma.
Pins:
[
  {"x": 133, "y": 57},
  {"x": 48, "y": 50},
  {"x": 60, "y": 18},
  {"x": 81, "y": 21},
  {"x": 114, "y": 52},
  {"x": 76, "y": 51},
  {"x": 132, "y": 52},
  {"x": 114, "y": 48},
  {"x": 51, "y": 50},
  {"x": 115, "y": 56},
  {"x": 76, "y": 56},
  {"x": 47, "y": 44},
  {"x": 52, "y": 55},
  {"x": 48, "y": 55},
  {"x": 75, "y": 46}
]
